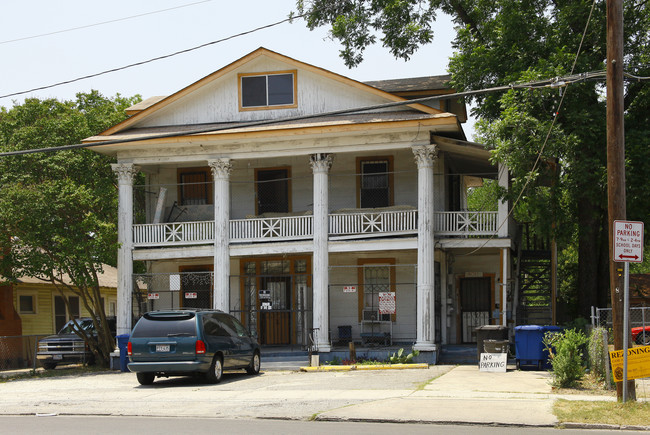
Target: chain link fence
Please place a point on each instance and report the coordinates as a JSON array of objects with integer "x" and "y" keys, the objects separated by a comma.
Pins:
[
  {"x": 639, "y": 317},
  {"x": 19, "y": 352}
]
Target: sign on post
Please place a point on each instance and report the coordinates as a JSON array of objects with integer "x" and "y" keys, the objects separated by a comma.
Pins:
[
  {"x": 628, "y": 241},
  {"x": 638, "y": 363}
]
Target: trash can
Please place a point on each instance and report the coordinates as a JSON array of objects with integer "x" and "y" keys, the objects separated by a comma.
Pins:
[
  {"x": 489, "y": 332},
  {"x": 496, "y": 346},
  {"x": 122, "y": 343},
  {"x": 345, "y": 334},
  {"x": 529, "y": 346}
]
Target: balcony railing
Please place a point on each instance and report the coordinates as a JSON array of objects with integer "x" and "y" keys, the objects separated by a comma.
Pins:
[
  {"x": 267, "y": 229},
  {"x": 465, "y": 223},
  {"x": 341, "y": 226}
]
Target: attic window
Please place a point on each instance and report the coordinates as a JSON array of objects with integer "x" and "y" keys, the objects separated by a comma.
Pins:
[{"x": 267, "y": 91}]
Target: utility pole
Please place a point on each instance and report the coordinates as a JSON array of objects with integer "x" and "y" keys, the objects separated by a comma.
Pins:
[{"x": 616, "y": 170}]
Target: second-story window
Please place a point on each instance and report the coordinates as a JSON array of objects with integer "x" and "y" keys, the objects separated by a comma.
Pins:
[
  {"x": 267, "y": 91},
  {"x": 375, "y": 182},
  {"x": 195, "y": 186}
]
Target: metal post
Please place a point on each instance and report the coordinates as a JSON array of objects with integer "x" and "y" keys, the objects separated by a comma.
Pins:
[{"x": 626, "y": 334}]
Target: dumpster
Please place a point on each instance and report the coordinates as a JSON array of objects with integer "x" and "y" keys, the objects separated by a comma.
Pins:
[
  {"x": 489, "y": 332},
  {"x": 529, "y": 346},
  {"x": 122, "y": 343},
  {"x": 345, "y": 334}
]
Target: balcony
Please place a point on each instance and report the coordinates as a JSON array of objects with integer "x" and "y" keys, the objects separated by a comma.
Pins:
[{"x": 344, "y": 224}]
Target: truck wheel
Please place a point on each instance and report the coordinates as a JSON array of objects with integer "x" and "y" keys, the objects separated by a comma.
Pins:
[
  {"x": 215, "y": 373},
  {"x": 145, "y": 378}
]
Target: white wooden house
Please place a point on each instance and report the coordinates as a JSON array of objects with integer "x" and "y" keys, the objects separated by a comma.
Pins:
[{"x": 267, "y": 196}]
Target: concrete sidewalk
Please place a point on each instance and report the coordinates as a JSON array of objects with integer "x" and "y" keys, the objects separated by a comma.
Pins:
[
  {"x": 466, "y": 395},
  {"x": 438, "y": 394}
]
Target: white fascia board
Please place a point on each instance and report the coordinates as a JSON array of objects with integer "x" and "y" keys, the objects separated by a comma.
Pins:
[
  {"x": 374, "y": 245},
  {"x": 474, "y": 243}
]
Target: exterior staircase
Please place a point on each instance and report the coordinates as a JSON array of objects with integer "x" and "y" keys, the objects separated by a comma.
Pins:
[{"x": 535, "y": 297}]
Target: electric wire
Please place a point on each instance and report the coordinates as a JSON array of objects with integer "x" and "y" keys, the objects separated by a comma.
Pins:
[
  {"x": 166, "y": 56},
  {"x": 213, "y": 129},
  {"x": 101, "y": 23}
]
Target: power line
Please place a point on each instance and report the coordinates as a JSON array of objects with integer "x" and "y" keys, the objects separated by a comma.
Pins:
[
  {"x": 101, "y": 23},
  {"x": 573, "y": 78},
  {"x": 257, "y": 29}
]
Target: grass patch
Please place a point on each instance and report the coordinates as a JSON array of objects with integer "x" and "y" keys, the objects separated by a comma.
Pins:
[
  {"x": 75, "y": 370},
  {"x": 616, "y": 413}
]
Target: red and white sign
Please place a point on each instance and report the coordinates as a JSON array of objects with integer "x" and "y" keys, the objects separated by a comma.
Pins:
[
  {"x": 349, "y": 289},
  {"x": 628, "y": 241},
  {"x": 191, "y": 295},
  {"x": 386, "y": 302},
  {"x": 153, "y": 296}
]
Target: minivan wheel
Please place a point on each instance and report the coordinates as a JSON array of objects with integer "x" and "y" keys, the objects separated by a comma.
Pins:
[
  {"x": 215, "y": 373},
  {"x": 254, "y": 366},
  {"x": 145, "y": 378}
]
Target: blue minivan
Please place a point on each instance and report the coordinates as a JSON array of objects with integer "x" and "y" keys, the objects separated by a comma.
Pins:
[{"x": 190, "y": 342}]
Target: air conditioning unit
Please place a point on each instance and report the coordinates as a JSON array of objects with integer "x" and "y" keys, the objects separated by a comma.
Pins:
[{"x": 374, "y": 316}]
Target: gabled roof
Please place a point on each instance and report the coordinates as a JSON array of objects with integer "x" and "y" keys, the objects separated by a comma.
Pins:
[{"x": 148, "y": 108}]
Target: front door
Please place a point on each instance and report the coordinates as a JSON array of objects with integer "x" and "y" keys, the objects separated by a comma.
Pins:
[
  {"x": 475, "y": 303},
  {"x": 275, "y": 313},
  {"x": 276, "y": 299}
]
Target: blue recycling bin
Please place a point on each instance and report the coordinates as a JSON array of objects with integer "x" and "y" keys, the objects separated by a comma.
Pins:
[
  {"x": 529, "y": 346},
  {"x": 122, "y": 343}
]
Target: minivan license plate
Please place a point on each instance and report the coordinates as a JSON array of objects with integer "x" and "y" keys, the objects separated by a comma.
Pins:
[{"x": 162, "y": 348}]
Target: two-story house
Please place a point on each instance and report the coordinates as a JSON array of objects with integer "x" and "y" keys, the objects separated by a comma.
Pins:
[{"x": 269, "y": 194}]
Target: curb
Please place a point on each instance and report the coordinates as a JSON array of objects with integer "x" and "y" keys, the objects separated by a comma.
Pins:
[
  {"x": 602, "y": 426},
  {"x": 364, "y": 367}
]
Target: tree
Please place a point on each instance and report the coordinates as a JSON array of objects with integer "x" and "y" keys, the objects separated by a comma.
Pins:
[
  {"x": 58, "y": 210},
  {"x": 510, "y": 41}
]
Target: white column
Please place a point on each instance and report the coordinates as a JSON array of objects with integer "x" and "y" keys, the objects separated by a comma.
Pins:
[
  {"x": 221, "y": 169},
  {"x": 502, "y": 208},
  {"x": 320, "y": 165},
  {"x": 425, "y": 329},
  {"x": 125, "y": 173},
  {"x": 504, "y": 288}
]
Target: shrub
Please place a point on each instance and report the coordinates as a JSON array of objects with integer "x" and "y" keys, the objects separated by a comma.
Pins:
[
  {"x": 400, "y": 358},
  {"x": 565, "y": 353},
  {"x": 598, "y": 357}
]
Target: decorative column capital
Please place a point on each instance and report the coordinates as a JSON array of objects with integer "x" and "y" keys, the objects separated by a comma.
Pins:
[
  {"x": 125, "y": 172},
  {"x": 321, "y": 162},
  {"x": 221, "y": 168},
  {"x": 425, "y": 155}
]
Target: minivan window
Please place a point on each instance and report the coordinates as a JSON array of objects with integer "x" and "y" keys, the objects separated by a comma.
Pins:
[
  {"x": 212, "y": 326},
  {"x": 165, "y": 328}
]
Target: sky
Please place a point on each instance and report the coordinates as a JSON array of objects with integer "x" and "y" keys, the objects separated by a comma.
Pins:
[{"x": 139, "y": 30}]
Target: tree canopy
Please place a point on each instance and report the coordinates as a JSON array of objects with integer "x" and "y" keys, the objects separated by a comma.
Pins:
[
  {"x": 58, "y": 210},
  {"x": 512, "y": 41}
]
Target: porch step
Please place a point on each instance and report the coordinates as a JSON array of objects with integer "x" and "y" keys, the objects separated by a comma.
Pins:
[
  {"x": 284, "y": 360},
  {"x": 464, "y": 354}
]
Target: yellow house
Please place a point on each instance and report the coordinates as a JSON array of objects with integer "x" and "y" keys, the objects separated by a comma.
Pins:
[{"x": 42, "y": 309}]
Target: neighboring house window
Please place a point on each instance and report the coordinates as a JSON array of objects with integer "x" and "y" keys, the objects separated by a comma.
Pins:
[
  {"x": 267, "y": 90},
  {"x": 375, "y": 185},
  {"x": 27, "y": 303},
  {"x": 61, "y": 312},
  {"x": 195, "y": 186},
  {"x": 273, "y": 190},
  {"x": 375, "y": 276}
]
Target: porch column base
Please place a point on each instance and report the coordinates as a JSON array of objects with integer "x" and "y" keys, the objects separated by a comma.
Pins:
[
  {"x": 426, "y": 347},
  {"x": 324, "y": 348}
]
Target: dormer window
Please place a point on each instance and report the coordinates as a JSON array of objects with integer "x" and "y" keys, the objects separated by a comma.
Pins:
[{"x": 267, "y": 90}]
